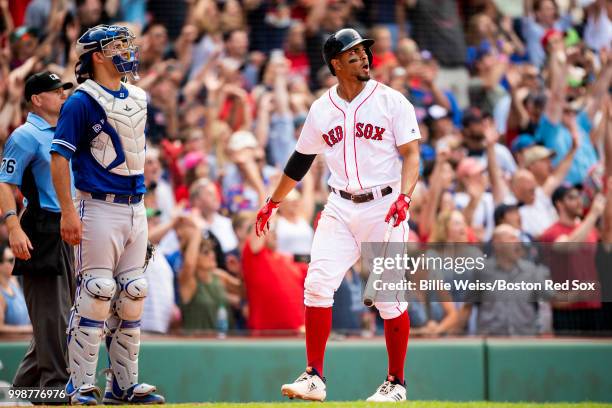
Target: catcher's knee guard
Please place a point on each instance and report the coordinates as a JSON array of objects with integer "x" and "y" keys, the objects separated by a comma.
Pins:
[
  {"x": 124, "y": 341},
  {"x": 133, "y": 289},
  {"x": 91, "y": 308}
]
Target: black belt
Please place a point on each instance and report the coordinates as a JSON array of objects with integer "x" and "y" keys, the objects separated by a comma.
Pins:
[
  {"x": 361, "y": 198},
  {"x": 117, "y": 198}
]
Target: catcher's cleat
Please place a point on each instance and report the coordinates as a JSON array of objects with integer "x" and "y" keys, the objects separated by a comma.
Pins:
[
  {"x": 86, "y": 394},
  {"x": 309, "y": 386},
  {"x": 137, "y": 394},
  {"x": 390, "y": 391}
]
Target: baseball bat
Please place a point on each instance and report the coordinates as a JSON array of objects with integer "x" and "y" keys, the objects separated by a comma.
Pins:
[{"x": 369, "y": 295}]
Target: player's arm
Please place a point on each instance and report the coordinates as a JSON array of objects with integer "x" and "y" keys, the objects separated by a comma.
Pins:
[
  {"x": 70, "y": 224},
  {"x": 410, "y": 166},
  {"x": 410, "y": 174},
  {"x": 308, "y": 146},
  {"x": 71, "y": 124},
  {"x": 296, "y": 168},
  {"x": 408, "y": 148}
]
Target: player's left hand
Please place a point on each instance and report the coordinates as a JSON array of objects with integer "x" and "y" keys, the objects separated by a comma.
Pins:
[
  {"x": 263, "y": 216},
  {"x": 398, "y": 210}
]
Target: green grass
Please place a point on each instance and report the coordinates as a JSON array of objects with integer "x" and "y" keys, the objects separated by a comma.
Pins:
[{"x": 411, "y": 404}]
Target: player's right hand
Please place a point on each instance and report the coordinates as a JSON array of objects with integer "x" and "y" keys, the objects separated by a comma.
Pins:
[
  {"x": 20, "y": 243},
  {"x": 70, "y": 227},
  {"x": 263, "y": 216}
]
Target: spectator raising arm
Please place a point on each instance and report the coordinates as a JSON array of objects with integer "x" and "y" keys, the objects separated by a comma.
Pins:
[
  {"x": 518, "y": 118},
  {"x": 580, "y": 233},
  {"x": 498, "y": 184},
  {"x": 560, "y": 172},
  {"x": 558, "y": 73},
  {"x": 187, "y": 276},
  {"x": 599, "y": 90},
  {"x": 10, "y": 115},
  {"x": 264, "y": 111},
  {"x": 316, "y": 14},
  {"x": 6, "y": 16},
  {"x": 440, "y": 179}
]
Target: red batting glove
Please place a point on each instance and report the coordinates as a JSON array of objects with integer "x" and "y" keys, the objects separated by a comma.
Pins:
[
  {"x": 399, "y": 210},
  {"x": 263, "y": 216}
]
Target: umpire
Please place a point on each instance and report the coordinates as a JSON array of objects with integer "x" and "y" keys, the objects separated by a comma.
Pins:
[{"x": 44, "y": 260}]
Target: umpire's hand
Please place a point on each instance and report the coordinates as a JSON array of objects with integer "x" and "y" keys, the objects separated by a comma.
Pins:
[
  {"x": 20, "y": 243},
  {"x": 71, "y": 228}
]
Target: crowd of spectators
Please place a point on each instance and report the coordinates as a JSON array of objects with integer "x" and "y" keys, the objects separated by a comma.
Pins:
[{"x": 514, "y": 108}]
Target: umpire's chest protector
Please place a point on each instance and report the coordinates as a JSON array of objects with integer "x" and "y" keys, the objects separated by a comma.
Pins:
[{"x": 119, "y": 145}]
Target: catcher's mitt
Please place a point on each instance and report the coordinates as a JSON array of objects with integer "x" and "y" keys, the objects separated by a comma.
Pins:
[{"x": 150, "y": 252}]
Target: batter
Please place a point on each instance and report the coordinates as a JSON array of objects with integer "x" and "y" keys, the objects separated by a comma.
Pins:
[
  {"x": 101, "y": 130},
  {"x": 362, "y": 127}
]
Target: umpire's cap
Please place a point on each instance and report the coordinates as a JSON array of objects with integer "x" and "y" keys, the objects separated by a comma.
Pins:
[
  {"x": 43, "y": 82},
  {"x": 343, "y": 40}
]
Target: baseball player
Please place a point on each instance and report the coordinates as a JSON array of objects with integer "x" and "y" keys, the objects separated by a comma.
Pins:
[
  {"x": 362, "y": 127},
  {"x": 101, "y": 131}
]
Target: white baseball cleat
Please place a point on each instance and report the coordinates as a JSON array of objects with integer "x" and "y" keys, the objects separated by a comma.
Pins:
[
  {"x": 390, "y": 391},
  {"x": 308, "y": 386}
]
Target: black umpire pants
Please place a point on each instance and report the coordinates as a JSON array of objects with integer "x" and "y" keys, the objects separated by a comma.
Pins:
[{"x": 49, "y": 288}]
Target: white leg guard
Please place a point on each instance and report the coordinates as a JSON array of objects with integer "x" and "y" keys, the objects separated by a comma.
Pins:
[
  {"x": 123, "y": 336},
  {"x": 91, "y": 307}
]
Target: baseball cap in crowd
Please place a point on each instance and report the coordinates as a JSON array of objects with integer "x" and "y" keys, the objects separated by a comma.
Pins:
[
  {"x": 427, "y": 152},
  {"x": 43, "y": 82},
  {"x": 474, "y": 54},
  {"x": 501, "y": 211},
  {"x": 521, "y": 142},
  {"x": 538, "y": 99},
  {"x": 192, "y": 159},
  {"x": 23, "y": 33},
  {"x": 398, "y": 72},
  {"x": 436, "y": 112},
  {"x": 426, "y": 55},
  {"x": 535, "y": 153},
  {"x": 469, "y": 166},
  {"x": 242, "y": 139},
  {"x": 548, "y": 35}
]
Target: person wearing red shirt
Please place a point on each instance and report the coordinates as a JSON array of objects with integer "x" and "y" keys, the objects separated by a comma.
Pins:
[
  {"x": 574, "y": 261},
  {"x": 274, "y": 285}
]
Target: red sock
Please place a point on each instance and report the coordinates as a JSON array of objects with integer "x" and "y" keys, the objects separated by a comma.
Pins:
[
  {"x": 396, "y": 337},
  {"x": 318, "y": 326}
]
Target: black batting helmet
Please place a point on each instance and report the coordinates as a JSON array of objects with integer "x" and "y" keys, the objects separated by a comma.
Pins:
[{"x": 343, "y": 40}]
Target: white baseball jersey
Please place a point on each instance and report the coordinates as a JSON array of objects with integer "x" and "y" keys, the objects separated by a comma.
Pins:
[{"x": 360, "y": 138}]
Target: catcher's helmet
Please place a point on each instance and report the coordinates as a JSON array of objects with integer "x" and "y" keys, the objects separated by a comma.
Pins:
[
  {"x": 114, "y": 42},
  {"x": 343, "y": 40}
]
